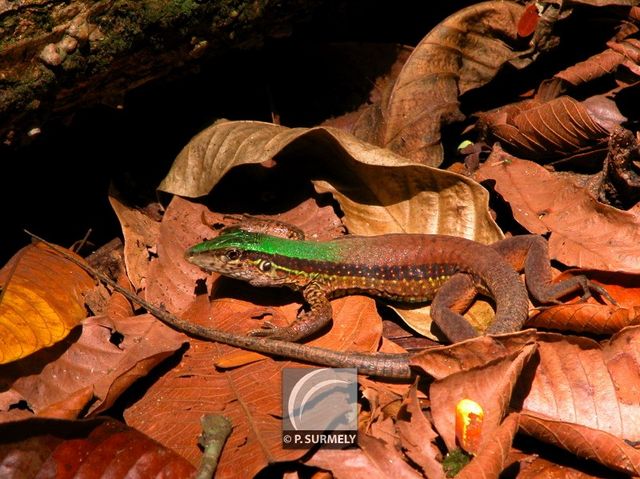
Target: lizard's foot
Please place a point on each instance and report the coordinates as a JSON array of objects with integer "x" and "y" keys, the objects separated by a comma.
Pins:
[{"x": 589, "y": 287}]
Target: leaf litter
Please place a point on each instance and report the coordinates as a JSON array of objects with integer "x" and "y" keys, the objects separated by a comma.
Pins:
[{"x": 373, "y": 172}]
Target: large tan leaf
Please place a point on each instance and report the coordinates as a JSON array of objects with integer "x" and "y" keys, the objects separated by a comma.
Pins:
[
  {"x": 463, "y": 52},
  {"x": 41, "y": 301},
  {"x": 583, "y": 232},
  {"x": 378, "y": 191},
  {"x": 250, "y": 395}
]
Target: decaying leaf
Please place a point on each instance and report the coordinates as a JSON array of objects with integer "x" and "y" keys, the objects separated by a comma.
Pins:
[
  {"x": 417, "y": 437},
  {"x": 140, "y": 236},
  {"x": 493, "y": 457},
  {"x": 373, "y": 460},
  {"x": 583, "y": 232},
  {"x": 41, "y": 301}
]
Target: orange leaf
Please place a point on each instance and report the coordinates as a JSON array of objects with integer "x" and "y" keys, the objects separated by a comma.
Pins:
[{"x": 41, "y": 301}]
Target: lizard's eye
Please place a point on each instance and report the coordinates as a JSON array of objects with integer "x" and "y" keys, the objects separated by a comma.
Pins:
[
  {"x": 265, "y": 266},
  {"x": 232, "y": 254}
]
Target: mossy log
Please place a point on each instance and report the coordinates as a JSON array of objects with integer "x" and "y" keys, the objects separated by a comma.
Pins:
[{"x": 57, "y": 55}]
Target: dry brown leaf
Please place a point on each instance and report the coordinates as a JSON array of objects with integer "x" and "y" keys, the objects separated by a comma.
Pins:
[
  {"x": 378, "y": 191},
  {"x": 251, "y": 395},
  {"x": 586, "y": 317},
  {"x": 491, "y": 386},
  {"x": 593, "y": 444},
  {"x": 141, "y": 234},
  {"x": 95, "y": 448},
  {"x": 442, "y": 361},
  {"x": 594, "y": 317},
  {"x": 373, "y": 460},
  {"x": 531, "y": 466},
  {"x": 417, "y": 436},
  {"x": 579, "y": 382},
  {"x": 557, "y": 128},
  {"x": 463, "y": 52},
  {"x": 493, "y": 457},
  {"x": 56, "y": 375},
  {"x": 40, "y": 301},
  {"x": 583, "y": 232}
]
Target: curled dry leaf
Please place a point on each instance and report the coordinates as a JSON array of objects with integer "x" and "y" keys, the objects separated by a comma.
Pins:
[
  {"x": 586, "y": 442},
  {"x": 577, "y": 381},
  {"x": 586, "y": 317},
  {"x": 141, "y": 234},
  {"x": 494, "y": 455},
  {"x": 417, "y": 437},
  {"x": 96, "y": 448},
  {"x": 251, "y": 395},
  {"x": 441, "y": 361},
  {"x": 463, "y": 52},
  {"x": 557, "y": 128},
  {"x": 41, "y": 301},
  {"x": 378, "y": 191},
  {"x": 583, "y": 232},
  {"x": 490, "y": 385}
]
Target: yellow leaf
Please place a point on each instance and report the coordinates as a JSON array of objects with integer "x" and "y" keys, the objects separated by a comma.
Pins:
[{"x": 41, "y": 301}]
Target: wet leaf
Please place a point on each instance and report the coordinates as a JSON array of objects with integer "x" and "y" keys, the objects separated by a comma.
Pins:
[{"x": 41, "y": 301}]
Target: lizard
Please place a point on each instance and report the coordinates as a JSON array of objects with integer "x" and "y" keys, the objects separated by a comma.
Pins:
[
  {"x": 382, "y": 365},
  {"x": 413, "y": 268}
]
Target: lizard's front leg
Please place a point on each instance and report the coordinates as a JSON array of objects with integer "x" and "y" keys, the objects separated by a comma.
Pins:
[{"x": 307, "y": 323}]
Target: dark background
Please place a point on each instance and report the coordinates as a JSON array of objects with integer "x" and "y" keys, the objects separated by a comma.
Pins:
[{"x": 57, "y": 186}]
